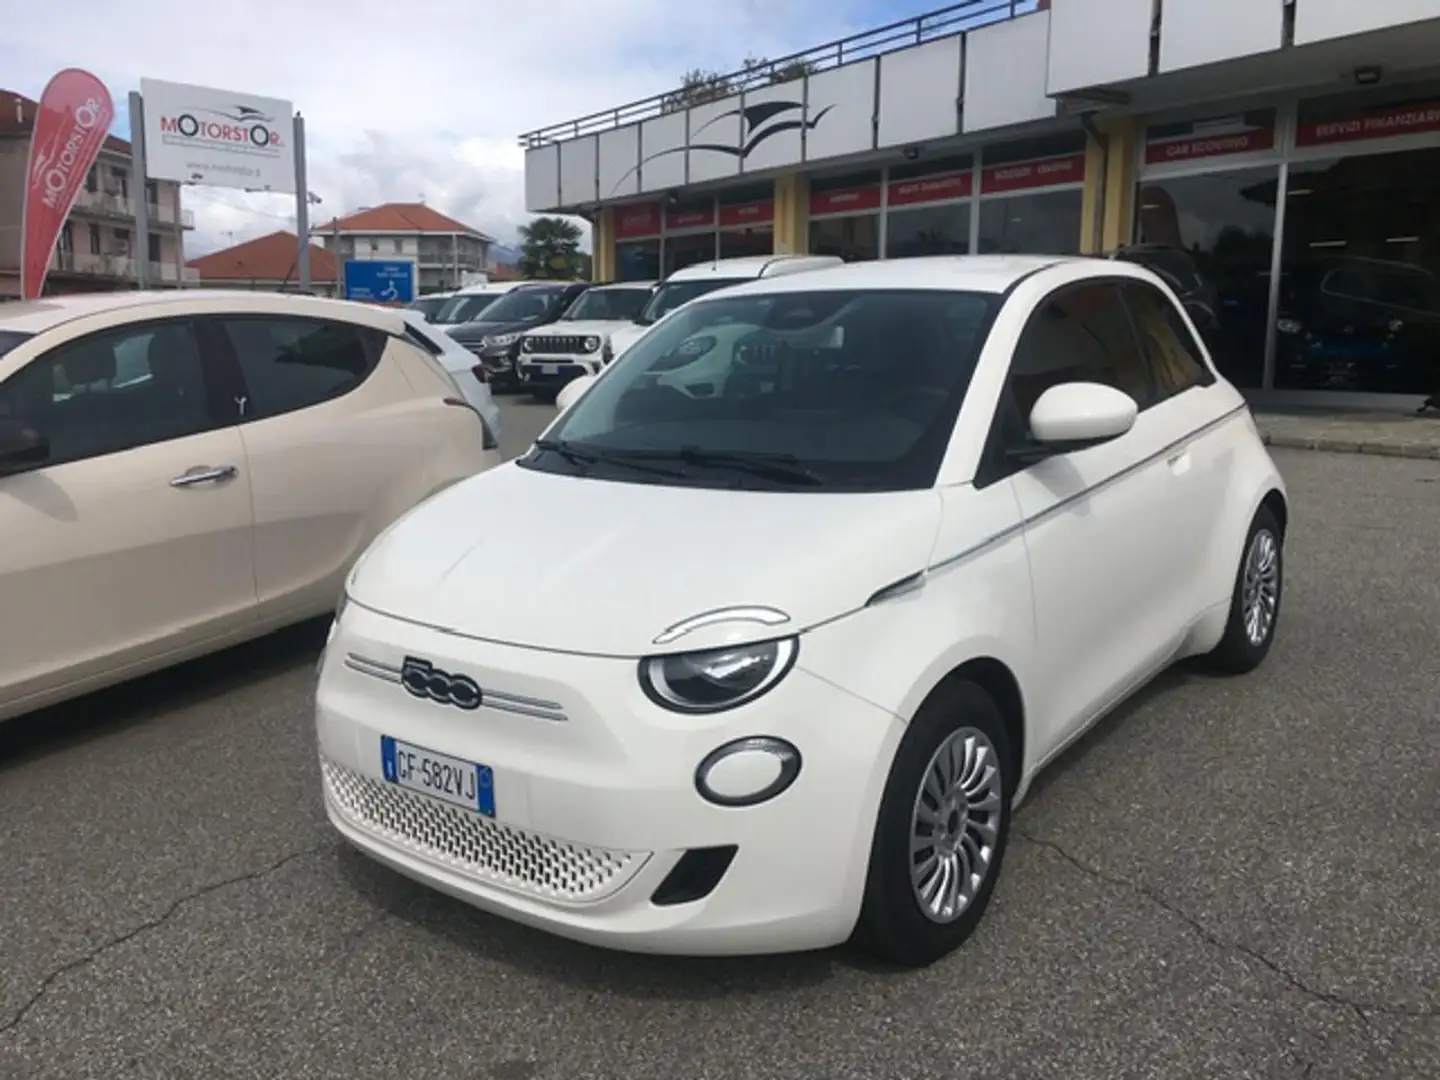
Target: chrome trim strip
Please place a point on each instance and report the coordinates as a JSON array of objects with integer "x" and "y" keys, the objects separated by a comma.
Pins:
[
  {"x": 489, "y": 699},
  {"x": 1020, "y": 526},
  {"x": 766, "y": 616}
]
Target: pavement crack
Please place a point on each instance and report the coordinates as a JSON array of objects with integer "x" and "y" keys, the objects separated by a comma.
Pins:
[
  {"x": 1361, "y": 1010},
  {"x": 150, "y": 924}
]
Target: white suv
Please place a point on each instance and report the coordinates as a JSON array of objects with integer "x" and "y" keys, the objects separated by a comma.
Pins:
[
  {"x": 689, "y": 282},
  {"x": 578, "y": 343}
]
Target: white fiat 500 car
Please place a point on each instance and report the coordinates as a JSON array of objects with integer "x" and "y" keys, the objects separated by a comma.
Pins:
[
  {"x": 845, "y": 589},
  {"x": 181, "y": 471}
]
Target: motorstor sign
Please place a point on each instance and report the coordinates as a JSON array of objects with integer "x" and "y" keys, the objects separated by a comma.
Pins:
[
  {"x": 220, "y": 138},
  {"x": 71, "y": 123}
]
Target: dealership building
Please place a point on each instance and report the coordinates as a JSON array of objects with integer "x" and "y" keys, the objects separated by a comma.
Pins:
[{"x": 1283, "y": 153}]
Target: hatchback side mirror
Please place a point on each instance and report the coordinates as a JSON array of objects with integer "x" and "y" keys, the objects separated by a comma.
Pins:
[
  {"x": 1074, "y": 416},
  {"x": 21, "y": 446}
]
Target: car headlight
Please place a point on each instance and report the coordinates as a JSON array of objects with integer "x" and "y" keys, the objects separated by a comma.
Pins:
[
  {"x": 529, "y": 344},
  {"x": 499, "y": 341},
  {"x": 716, "y": 679},
  {"x": 1288, "y": 326},
  {"x": 591, "y": 344}
]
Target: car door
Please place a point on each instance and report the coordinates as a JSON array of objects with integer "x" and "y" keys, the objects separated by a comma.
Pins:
[
  {"x": 336, "y": 443},
  {"x": 133, "y": 536},
  {"x": 1102, "y": 533}
]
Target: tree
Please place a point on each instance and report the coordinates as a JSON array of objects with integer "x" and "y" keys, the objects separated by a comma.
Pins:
[
  {"x": 698, "y": 85},
  {"x": 550, "y": 248}
]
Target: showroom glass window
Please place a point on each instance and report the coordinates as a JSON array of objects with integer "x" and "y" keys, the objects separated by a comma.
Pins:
[
  {"x": 845, "y": 215},
  {"x": 928, "y": 211},
  {"x": 1031, "y": 195},
  {"x": 637, "y": 241},
  {"x": 747, "y": 221},
  {"x": 1212, "y": 229},
  {"x": 1360, "y": 259},
  {"x": 689, "y": 234}
]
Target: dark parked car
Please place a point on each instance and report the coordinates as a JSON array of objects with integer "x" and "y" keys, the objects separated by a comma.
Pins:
[{"x": 495, "y": 337}]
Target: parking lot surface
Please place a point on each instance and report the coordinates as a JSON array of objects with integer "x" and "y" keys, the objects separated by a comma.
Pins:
[{"x": 1228, "y": 878}]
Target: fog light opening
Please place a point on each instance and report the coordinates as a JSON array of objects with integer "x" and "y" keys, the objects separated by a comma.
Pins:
[{"x": 747, "y": 772}]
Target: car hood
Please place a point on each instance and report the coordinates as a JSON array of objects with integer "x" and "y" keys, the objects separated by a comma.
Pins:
[
  {"x": 604, "y": 568},
  {"x": 581, "y": 327},
  {"x": 625, "y": 336},
  {"x": 474, "y": 331}
]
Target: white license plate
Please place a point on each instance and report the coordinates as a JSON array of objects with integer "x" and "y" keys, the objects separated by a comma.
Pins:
[
  {"x": 549, "y": 369},
  {"x": 464, "y": 783}
]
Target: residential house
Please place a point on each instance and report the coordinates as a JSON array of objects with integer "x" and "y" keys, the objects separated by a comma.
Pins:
[
  {"x": 268, "y": 263},
  {"x": 444, "y": 249}
]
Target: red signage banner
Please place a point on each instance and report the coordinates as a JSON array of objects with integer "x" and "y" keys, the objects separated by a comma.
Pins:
[
  {"x": 852, "y": 200},
  {"x": 71, "y": 124},
  {"x": 1192, "y": 147},
  {"x": 927, "y": 189},
  {"x": 743, "y": 215},
  {"x": 1387, "y": 123},
  {"x": 1025, "y": 175},
  {"x": 690, "y": 219},
  {"x": 637, "y": 220}
]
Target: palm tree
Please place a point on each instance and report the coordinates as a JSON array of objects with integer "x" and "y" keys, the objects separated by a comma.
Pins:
[{"x": 550, "y": 248}]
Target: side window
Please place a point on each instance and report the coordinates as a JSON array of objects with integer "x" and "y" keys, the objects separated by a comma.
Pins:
[
  {"x": 1080, "y": 334},
  {"x": 1170, "y": 349},
  {"x": 292, "y": 363},
  {"x": 113, "y": 391}
]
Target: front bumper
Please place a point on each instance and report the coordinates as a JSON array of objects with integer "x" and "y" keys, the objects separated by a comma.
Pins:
[
  {"x": 553, "y": 372},
  {"x": 499, "y": 364},
  {"x": 595, "y": 794}
]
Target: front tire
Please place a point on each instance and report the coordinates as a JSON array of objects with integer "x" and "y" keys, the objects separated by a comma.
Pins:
[
  {"x": 942, "y": 829},
  {"x": 1255, "y": 603}
]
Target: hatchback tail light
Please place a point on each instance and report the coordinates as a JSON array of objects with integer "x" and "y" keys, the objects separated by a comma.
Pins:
[{"x": 479, "y": 372}]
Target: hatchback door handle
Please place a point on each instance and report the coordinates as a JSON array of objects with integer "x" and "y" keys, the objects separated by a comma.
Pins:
[{"x": 205, "y": 474}]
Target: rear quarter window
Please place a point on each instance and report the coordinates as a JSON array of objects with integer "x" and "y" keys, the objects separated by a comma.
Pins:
[{"x": 290, "y": 363}]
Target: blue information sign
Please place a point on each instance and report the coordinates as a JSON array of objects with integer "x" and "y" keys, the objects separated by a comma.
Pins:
[{"x": 380, "y": 281}]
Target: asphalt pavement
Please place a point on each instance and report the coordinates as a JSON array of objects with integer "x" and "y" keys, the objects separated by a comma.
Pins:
[{"x": 1228, "y": 878}]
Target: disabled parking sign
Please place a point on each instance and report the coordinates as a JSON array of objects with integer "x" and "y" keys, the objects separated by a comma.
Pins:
[{"x": 380, "y": 281}]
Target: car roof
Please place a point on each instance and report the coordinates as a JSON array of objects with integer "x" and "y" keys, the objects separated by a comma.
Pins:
[
  {"x": 625, "y": 285},
  {"x": 961, "y": 273},
  {"x": 752, "y": 266},
  {"x": 37, "y": 316}
]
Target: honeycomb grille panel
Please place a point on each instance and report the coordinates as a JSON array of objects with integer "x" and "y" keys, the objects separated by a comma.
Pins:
[{"x": 491, "y": 853}]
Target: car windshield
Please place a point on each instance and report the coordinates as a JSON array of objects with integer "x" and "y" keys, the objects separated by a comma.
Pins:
[
  {"x": 611, "y": 305},
  {"x": 672, "y": 294},
  {"x": 10, "y": 338},
  {"x": 523, "y": 305},
  {"x": 429, "y": 306},
  {"x": 465, "y": 308},
  {"x": 813, "y": 391}
]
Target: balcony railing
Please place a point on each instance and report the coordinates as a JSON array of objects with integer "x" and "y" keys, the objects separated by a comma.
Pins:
[
  {"x": 105, "y": 204},
  {"x": 187, "y": 219},
  {"x": 943, "y": 22}
]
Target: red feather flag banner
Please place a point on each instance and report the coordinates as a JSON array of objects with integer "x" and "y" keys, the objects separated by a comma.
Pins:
[{"x": 71, "y": 124}]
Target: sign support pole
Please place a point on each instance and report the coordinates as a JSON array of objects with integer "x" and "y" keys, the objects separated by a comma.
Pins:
[
  {"x": 302, "y": 207},
  {"x": 140, "y": 182}
]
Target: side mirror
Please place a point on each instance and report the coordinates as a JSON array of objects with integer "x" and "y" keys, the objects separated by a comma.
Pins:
[
  {"x": 571, "y": 391},
  {"x": 1073, "y": 416},
  {"x": 21, "y": 446}
]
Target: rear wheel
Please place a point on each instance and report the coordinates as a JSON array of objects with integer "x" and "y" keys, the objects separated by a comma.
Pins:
[
  {"x": 1255, "y": 603},
  {"x": 942, "y": 829}
]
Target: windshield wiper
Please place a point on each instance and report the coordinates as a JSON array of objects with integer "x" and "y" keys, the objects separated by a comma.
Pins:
[
  {"x": 784, "y": 468},
  {"x": 584, "y": 458}
]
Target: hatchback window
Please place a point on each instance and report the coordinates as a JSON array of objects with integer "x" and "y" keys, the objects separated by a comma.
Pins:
[
  {"x": 802, "y": 390},
  {"x": 671, "y": 295},
  {"x": 10, "y": 338},
  {"x": 524, "y": 305},
  {"x": 612, "y": 305},
  {"x": 113, "y": 391},
  {"x": 1170, "y": 350},
  {"x": 293, "y": 363},
  {"x": 466, "y": 308}
]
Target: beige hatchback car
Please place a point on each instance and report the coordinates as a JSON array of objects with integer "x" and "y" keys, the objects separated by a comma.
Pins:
[{"x": 183, "y": 471}]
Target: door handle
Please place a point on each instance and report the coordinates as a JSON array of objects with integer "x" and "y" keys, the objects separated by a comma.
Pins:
[{"x": 204, "y": 474}]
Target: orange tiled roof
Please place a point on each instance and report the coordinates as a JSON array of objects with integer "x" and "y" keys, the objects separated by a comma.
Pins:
[
  {"x": 266, "y": 258},
  {"x": 17, "y": 117},
  {"x": 399, "y": 217}
]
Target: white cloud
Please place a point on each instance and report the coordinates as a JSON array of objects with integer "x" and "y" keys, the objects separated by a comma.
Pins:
[{"x": 408, "y": 98}]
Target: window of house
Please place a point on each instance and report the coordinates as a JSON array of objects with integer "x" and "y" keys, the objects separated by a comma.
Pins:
[
  {"x": 399, "y": 245},
  {"x": 290, "y": 363},
  {"x": 94, "y": 239}
]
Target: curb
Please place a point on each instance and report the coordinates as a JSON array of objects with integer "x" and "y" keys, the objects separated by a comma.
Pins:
[{"x": 1351, "y": 446}]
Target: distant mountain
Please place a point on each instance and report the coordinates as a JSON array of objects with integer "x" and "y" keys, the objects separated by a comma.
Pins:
[{"x": 503, "y": 253}]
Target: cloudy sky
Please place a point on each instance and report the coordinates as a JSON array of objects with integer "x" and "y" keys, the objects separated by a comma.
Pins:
[{"x": 411, "y": 98}]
